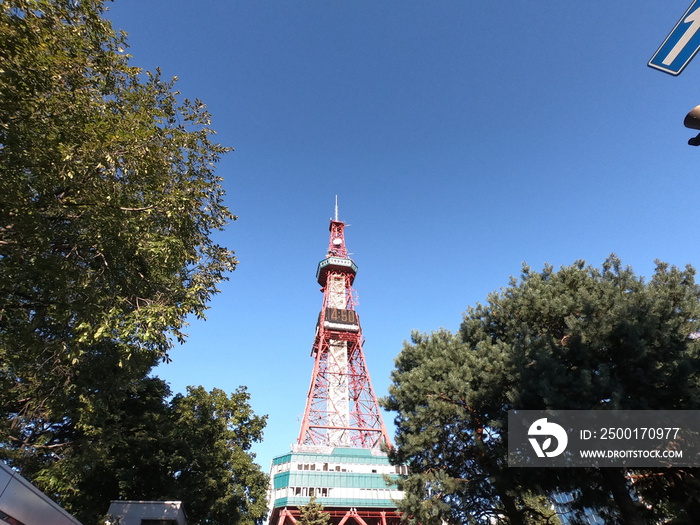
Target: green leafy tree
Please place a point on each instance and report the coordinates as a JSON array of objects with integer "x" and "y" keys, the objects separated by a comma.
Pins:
[
  {"x": 579, "y": 338},
  {"x": 312, "y": 514},
  {"x": 194, "y": 448},
  {"x": 108, "y": 199},
  {"x": 108, "y": 203},
  {"x": 213, "y": 464}
]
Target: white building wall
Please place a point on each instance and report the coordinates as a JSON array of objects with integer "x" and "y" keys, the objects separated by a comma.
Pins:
[
  {"x": 323, "y": 465},
  {"x": 132, "y": 512},
  {"x": 22, "y": 501}
]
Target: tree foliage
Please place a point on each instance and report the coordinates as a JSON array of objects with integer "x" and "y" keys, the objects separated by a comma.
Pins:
[
  {"x": 108, "y": 198},
  {"x": 312, "y": 513},
  {"x": 213, "y": 465},
  {"x": 577, "y": 338},
  {"x": 108, "y": 202},
  {"x": 194, "y": 448}
]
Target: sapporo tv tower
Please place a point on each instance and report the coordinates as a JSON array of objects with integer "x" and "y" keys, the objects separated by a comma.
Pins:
[{"x": 338, "y": 457}]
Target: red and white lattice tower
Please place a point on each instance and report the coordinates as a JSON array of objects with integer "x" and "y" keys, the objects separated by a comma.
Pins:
[
  {"x": 338, "y": 458},
  {"x": 341, "y": 407}
]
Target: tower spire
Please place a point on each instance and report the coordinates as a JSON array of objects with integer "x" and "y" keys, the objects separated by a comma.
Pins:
[{"x": 336, "y": 207}]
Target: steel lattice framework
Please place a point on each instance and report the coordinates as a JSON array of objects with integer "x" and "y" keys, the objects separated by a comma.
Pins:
[{"x": 341, "y": 407}]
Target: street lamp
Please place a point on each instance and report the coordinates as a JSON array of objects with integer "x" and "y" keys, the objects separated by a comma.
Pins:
[{"x": 692, "y": 121}]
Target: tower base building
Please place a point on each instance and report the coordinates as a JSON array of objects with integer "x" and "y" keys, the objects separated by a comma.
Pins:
[{"x": 350, "y": 483}]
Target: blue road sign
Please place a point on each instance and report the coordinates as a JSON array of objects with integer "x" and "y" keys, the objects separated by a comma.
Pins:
[{"x": 681, "y": 44}]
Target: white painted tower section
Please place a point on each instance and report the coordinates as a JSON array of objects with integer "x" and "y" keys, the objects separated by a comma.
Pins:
[{"x": 338, "y": 390}]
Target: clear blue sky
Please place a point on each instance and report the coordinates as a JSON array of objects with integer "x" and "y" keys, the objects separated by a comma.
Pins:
[{"x": 462, "y": 137}]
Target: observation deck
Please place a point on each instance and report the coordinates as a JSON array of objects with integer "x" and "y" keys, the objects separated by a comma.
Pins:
[{"x": 335, "y": 265}]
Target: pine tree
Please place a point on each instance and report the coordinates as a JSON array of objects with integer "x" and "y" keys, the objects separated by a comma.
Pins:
[
  {"x": 312, "y": 513},
  {"x": 577, "y": 338}
]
